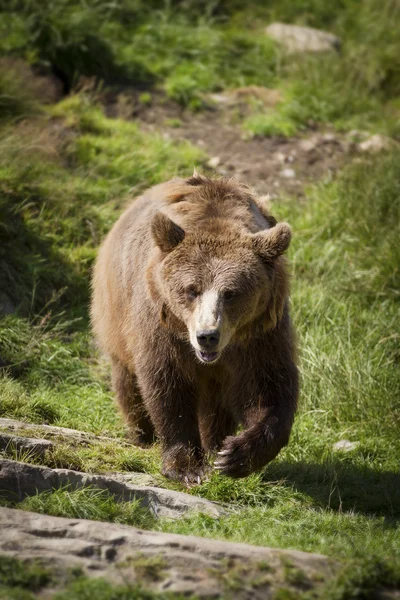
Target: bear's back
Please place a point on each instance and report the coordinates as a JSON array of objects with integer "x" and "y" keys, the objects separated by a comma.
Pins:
[{"x": 200, "y": 203}]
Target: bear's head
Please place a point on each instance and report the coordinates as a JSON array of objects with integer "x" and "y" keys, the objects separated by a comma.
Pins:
[{"x": 214, "y": 286}]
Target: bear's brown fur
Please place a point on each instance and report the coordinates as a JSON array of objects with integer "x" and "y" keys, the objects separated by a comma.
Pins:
[{"x": 193, "y": 273}]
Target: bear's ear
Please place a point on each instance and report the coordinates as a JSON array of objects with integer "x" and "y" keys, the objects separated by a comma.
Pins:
[
  {"x": 166, "y": 234},
  {"x": 273, "y": 242}
]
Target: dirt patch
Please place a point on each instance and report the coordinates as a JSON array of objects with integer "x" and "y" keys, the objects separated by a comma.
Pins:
[{"x": 273, "y": 165}]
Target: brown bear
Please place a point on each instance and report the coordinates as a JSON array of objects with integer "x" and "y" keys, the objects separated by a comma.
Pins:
[{"x": 190, "y": 301}]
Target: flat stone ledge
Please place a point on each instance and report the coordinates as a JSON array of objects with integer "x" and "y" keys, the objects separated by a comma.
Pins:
[
  {"x": 19, "y": 480},
  {"x": 186, "y": 564},
  {"x": 11, "y": 426},
  {"x": 32, "y": 446}
]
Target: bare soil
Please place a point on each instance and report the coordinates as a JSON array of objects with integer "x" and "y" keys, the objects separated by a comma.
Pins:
[{"x": 273, "y": 165}]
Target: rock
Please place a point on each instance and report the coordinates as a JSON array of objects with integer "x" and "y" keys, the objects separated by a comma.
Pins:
[
  {"x": 288, "y": 173},
  {"x": 329, "y": 138},
  {"x": 214, "y": 162},
  {"x": 220, "y": 99},
  {"x": 303, "y": 39},
  {"x": 18, "y": 480},
  {"x": 308, "y": 145},
  {"x": 375, "y": 143},
  {"x": 345, "y": 446},
  {"x": 137, "y": 478},
  {"x": 32, "y": 446},
  {"x": 280, "y": 157},
  {"x": 160, "y": 561},
  {"x": 10, "y": 425}
]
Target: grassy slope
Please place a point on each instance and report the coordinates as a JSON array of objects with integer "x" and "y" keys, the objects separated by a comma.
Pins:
[
  {"x": 63, "y": 175},
  {"x": 196, "y": 47}
]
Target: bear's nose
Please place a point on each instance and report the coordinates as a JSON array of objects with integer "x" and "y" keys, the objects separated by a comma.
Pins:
[{"x": 209, "y": 338}]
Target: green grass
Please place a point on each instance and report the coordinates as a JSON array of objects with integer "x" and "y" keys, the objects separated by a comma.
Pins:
[
  {"x": 192, "y": 49},
  {"x": 85, "y": 589},
  {"x": 95, "y": 456},
  {"x": 266, "y": 124},
  {"x": 16, "y": 99},
  {"x": 25, "y": 576},
  {"x": 88, "y": 503}
]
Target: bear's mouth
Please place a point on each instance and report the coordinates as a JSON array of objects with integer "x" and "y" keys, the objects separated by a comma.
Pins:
[{"x": 207, "y": 357}]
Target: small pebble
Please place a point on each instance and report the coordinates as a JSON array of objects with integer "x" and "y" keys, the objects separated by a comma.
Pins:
[
  {"x": 288, "y": 173},
  {"x": 214, "y": 162}
]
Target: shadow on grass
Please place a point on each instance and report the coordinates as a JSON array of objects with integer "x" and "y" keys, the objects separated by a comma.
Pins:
[
  {"x": 343, "y": 487},
  {"x": 34, "y": 271}
]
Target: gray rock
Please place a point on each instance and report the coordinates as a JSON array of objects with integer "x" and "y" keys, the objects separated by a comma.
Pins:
[
  {"x": 32, "y": 446},
  {"x": 137, "y": 478},
  {"x": 288, "y": 173},
  {"x": 280, "y": 157},
  {"x": 309, "y": 144},
  {"x": 214, "y": 162},
  {"x": 11, "y": 425},
  {"x": 18, "y": 480},
  {"x": 345, "y": 446},
  {"x": 178, "y": 564},
  {"x": 221, "y": 99},
  {"x": 302, "y": 39},
  {"x": 375, "y": 143}
]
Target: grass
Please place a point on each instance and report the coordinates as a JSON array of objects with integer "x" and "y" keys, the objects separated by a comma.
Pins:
[
  {"x": 191, "y": 49},
  {"x": 16, "y": 101},
  {"x": 88, "y": 503},
  {"x": 31, "y": 576}
]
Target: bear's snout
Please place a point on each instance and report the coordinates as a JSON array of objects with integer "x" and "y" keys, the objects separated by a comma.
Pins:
[{"x": 208, "y": 339}]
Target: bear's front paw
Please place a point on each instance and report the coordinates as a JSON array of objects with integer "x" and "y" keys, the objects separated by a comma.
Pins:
[
  {"x": 185, "y": 465},
  {"x": 192, "y": 475},
  {"x": 234, "y": 458}
]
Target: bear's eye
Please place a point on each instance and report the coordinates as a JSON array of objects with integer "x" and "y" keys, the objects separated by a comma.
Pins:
[
  {"x": 192, "y": 293},
  {"x": 229, "y": 295}
]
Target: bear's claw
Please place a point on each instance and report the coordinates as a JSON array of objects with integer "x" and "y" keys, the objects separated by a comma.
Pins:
[
  {"x": 189, "y": 477},
  {"x": 233, "y": 460}
]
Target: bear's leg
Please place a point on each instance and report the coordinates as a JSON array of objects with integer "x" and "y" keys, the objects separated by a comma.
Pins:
[
  {"x": 216, "y": 423},
  {"x": 130, "y": 401},
  {"x": 170, "y": 397},
  {"x": 268, "y": 419}
]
